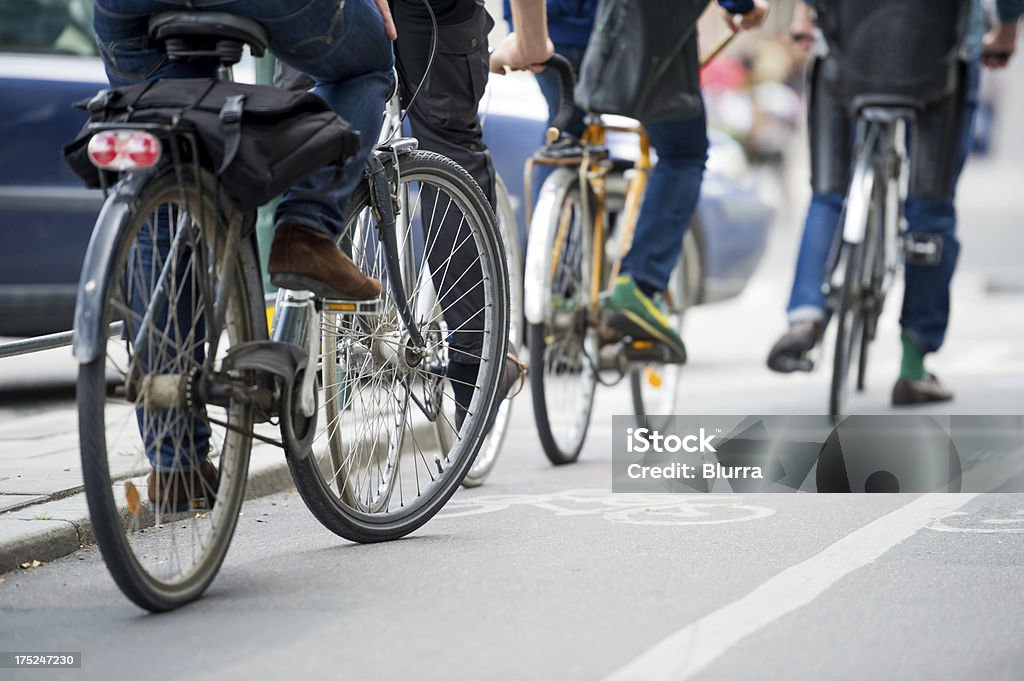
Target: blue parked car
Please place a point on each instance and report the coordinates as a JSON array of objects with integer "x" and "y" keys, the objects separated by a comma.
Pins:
[{"x": 48, "y": 61}]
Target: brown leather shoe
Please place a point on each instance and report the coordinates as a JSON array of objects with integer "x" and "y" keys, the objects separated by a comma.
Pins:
[
  {"x": 925, "y": 391},
  {"x": 305, "y": 260},
  {"x": 180, "y": 491}
]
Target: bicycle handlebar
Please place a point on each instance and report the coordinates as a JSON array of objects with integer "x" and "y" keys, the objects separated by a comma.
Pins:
[{"x": 567, "y": 82}]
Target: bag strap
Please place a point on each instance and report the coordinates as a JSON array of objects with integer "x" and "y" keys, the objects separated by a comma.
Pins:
[
  {"x": 669, "y": 60},
  {"x": 231, "y": 127}
]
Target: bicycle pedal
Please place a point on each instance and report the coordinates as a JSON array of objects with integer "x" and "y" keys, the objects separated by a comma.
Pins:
[
  {"x": 923, "y": 250},
  {"x": 648, "y": 352},
  {"x": 357, "y": 308}
]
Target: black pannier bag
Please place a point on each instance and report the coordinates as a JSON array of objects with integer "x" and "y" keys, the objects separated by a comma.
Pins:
[
  {"x": 642, "y": 60},
  {"x": 260, "y": 140}
]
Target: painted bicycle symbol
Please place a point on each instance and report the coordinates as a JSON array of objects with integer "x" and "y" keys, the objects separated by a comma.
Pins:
[
  {"x": 627, "y": 509},
  {"x": 971, "y": 523}
]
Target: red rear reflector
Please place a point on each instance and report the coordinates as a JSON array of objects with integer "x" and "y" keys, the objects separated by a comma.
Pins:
[{"x": 124, "y": 150}]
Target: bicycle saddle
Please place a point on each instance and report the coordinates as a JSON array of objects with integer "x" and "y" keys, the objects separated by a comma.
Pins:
[{"x": 190, "y": 34}]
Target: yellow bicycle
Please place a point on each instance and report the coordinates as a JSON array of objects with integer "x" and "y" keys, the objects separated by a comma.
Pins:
[{"x": 583, "y": 224}]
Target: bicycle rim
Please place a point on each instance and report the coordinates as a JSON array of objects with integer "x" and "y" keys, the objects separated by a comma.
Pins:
[
  {"x": 390, "y": 449},
  {"x": 159, "y": 286}
]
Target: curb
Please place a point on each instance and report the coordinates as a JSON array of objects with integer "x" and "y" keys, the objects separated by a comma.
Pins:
[{"x": 57, "y": 528}]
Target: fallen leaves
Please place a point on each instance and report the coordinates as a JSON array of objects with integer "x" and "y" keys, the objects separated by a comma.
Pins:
[
  {"x": 32, "y": 564},
  {"x": 131, "y": 495}
]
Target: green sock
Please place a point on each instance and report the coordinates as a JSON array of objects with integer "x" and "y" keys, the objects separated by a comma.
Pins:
[{"x": 912, "y": 365}]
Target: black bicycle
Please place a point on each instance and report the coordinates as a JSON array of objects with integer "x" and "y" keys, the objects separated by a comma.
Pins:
[
  {"x": 894, "y": 66},
  {"x": 177, "y": 368}
]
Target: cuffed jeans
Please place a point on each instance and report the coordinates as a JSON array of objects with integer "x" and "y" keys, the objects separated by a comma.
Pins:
[{"x": 925, "y": 313}]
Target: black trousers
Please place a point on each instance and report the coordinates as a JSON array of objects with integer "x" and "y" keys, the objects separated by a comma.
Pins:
[{"x": 444, "y": 119}]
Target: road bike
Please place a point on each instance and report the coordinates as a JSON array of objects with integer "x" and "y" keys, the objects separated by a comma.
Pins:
[
  {"x": 175, "y": 361},
  {"x": 573, "y": 254}
]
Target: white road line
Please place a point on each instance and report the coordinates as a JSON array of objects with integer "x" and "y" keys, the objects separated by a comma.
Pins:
[{"x": 692, "y": 648}]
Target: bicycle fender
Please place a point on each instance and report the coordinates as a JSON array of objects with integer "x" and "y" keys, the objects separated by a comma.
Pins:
[
  {"x": 88, "y": 338},
  {"x": 539, "y": 245}
]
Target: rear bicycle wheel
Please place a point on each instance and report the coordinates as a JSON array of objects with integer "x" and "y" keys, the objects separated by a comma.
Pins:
[
  {"x": 562, "y": 347},
  {"x": 507, "y": 224},
  {"x": 849, "y": 329},
  {"x": 393, "y": 441},
  {"x": 159, "y": 287},
  {"x": 655, "y": 387}
]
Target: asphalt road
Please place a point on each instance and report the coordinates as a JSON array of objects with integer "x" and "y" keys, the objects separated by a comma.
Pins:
[{"x": 542, "y": 574}]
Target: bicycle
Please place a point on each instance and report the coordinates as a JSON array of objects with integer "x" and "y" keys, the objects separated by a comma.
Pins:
[
  {"x": 488, "y": 451},
  {"x": 567, "y": 261},
  {"x": 171, "y": 336},
  {"x": 873, "y": 243}
]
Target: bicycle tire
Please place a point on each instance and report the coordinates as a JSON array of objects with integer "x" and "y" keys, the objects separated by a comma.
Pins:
[
  {"x": 132, "y": 535},
  {"x": 487, "y": 457},
  {"x": 330, "y": 463},
  {"x": 654, "y": 388},
  {"x": 565, "y": 363},
  {"x": 851, "y": 328}
]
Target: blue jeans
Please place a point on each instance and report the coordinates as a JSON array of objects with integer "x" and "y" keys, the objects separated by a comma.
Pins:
[
  {"x": 925, "y": 313},
  {"x": 342, "y": 46},
  {"x": 670, "y": 201}
]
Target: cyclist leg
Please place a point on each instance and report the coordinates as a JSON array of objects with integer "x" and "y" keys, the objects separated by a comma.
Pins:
[
  {"x": 344, "y": 48},
  {"x": 807, "y": 304},
  {"x": 444, "y": 120},
  {"x": 347, "y": 71},
  {"x": 926, "y": 299},
  {"x": 831, "y": 138},
  {"x": 665, "y": 215}
]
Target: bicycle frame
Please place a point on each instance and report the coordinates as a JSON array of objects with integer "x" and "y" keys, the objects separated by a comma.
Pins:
[{"x": 882, "y": 157}]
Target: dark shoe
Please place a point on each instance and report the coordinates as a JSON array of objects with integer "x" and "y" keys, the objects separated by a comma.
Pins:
[
  {"x": 180, "y": 491},
  {"x": 463, "y": 380},
  {"x": 924, "y": 391},
  {"x": 305, "y": 260},
  {"x": 631, "y": 313},
  {"x": 790, "y": 352}
]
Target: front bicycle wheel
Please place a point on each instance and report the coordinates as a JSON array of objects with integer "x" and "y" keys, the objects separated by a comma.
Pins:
[
  {"x": 564, "y": 346},
  {"x": 509, "y": 227},
  {"x": 655, "y": 387},
  {"x": 162, "y": 523},
  {"x": 401, "y": 424}
]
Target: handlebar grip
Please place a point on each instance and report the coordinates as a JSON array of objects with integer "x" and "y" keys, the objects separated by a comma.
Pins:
[{"x": 567, "y": 104}]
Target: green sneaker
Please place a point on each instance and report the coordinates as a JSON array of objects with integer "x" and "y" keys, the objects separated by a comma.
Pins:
[{"x": 630, "y": 312}]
